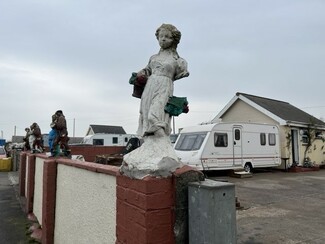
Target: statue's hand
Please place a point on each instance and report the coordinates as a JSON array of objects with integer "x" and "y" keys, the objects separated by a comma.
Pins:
[
  {"x": 141, "y": 73},
  {"x": 141, "y": 78}
]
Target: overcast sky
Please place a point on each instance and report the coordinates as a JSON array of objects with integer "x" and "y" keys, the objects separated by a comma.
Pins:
[{"x": 78, "y": 56}]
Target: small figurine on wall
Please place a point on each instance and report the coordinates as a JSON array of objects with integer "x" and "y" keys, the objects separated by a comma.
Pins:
[
  {"x": 59, "y": 124},
  {"x": 155, "y": 87},
  {"x": 52, "y": 137},
  {"x": 26, "y": 139},
  {"x": 37, "y": 140}
]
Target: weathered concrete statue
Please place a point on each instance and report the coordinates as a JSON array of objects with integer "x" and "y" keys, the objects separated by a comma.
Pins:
[{"x": 156, "y": 156}]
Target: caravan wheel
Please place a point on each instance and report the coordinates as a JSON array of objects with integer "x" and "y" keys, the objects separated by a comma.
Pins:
[{"x": 248, "y": 167}]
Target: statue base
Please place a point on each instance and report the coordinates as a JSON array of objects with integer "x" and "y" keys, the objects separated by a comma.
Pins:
[{"x": 156, "y": 157}]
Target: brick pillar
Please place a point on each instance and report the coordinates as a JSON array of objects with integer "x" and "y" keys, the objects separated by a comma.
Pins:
[
  {"x": 145, "y": 210},
  {"x": 22, "y": 174},
  {"x": 49, "y": 201},
  {"x": 30, "y": 183},
  {"x": 182, "y": 177},
  {"x": 154, "y": 210}
]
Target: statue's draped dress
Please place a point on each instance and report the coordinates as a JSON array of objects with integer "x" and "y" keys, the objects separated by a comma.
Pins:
[{"x": 163, "y": 69}]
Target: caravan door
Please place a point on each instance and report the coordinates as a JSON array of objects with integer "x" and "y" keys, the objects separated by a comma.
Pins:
[{"x": 237, "y": 146}]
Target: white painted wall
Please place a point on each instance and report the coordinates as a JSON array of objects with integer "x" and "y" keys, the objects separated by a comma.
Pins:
[
  {"x": 38, "y": 189},
  {"x": 26, "y": 175},
  {"x": 242, "y": 112},
  {"x": 85, "y": 206}
]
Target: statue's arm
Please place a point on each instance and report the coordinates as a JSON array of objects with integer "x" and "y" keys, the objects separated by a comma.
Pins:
[
  {"x": 146, "y": 71},
  {"x": 181, "y": 70}
]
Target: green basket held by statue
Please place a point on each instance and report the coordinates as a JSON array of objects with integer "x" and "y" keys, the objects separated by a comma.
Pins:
[{"x": 176, "y": 105}]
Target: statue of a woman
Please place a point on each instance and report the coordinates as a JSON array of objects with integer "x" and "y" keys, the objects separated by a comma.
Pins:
[
  {"x": 162, "y": 70},
  {"x": 154, "y": 123}
]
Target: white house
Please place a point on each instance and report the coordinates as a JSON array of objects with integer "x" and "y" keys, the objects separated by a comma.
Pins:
[
  {"x": 106, "y": 135},
  {"x": 301, "y": 134},
  {"x": 105, "y": 129}
]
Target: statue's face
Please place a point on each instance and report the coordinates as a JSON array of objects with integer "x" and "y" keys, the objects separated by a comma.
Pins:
[{"x": 165, "y": 39}]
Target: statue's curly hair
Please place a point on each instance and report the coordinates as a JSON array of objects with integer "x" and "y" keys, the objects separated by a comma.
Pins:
[{"x": 176, "y": 34}]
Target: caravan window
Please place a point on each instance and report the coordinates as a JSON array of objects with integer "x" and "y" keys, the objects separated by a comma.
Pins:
[
  {"x": 237, "y": 134},
  {"x": 271, "y": 139},
  {"x": 220, "y": 139},
  {"x": 190, "y": 142},
  {"x": 263, "y": 139}
]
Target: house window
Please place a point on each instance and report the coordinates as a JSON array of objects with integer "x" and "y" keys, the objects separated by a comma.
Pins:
[
  {"x": 263, "y": 139},
  {"x": 98, "y": 142},
  {"x": 114, "y": 140},
  {"x": 304, "y": 137},
  {"x": 318, "y": 135},
  {"x": 126, "y": 139},
  {"x": 271, "y": 139},
  {"x": 220, "y": 139}
]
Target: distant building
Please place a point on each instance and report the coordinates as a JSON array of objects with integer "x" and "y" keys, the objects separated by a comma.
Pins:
[
  {"x": 106, "y": 135},
  {"x": 72, "y": 140},
  {"x": 105, "y": 129},
  {"x": 17, "y": 139}
]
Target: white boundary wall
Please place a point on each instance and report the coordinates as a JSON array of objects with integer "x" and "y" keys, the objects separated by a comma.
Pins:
[
  {"x": 38, "y": 189},
  {"x": 85, "y": 206}
]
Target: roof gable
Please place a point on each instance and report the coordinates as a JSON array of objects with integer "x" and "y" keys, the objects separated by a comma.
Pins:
[
  {"x": 107, "y": 129},
  {"x": 281, "y": 111}
]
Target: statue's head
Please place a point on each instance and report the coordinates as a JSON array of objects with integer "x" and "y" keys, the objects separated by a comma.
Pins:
[
  {"x": 59, "y": 112},
  {"x": 34, "y": 125},
  {"x": 176, "y": 34}
]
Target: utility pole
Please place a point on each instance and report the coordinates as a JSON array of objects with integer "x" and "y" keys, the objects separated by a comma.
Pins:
[
  {"x": 173, "y": 124},
  {"x": 74, "y": 126}
]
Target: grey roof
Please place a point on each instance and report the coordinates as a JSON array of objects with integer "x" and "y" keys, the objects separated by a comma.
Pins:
[
  {"x": 284, "y": 110},
  {"x": 75, "y": 140},
  {"x": 107, "y": 129},
  {"x": 17, "y": 139}
]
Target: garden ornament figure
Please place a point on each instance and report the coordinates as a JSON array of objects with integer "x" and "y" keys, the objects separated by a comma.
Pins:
[{"x": 155, "y": 85}]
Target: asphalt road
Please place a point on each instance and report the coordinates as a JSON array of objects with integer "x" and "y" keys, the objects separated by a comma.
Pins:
[
  {"x": 280, "y": 207},
  {"x": 13, "y": 221}
]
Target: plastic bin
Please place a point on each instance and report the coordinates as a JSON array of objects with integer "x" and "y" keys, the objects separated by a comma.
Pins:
[{"x": 5, "y": 164}]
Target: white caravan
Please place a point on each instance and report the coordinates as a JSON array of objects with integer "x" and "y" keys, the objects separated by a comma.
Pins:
[
  {"x": 224, "y": 146},
  {"x": 102, "y": 139}
]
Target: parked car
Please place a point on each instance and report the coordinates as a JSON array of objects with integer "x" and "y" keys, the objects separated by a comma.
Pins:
[
  {"x": 3, "y": 153},
  {"x": 173, "y": 138}
]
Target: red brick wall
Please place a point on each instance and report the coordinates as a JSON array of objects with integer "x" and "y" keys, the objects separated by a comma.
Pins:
[
  {"x": 90, "y": 152},
  {"x": 30, "y": 183},
  {"x": 148, "y": 210},
  {"x": 145, "y": 210},
  {"x": 49, "y": 201}
]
